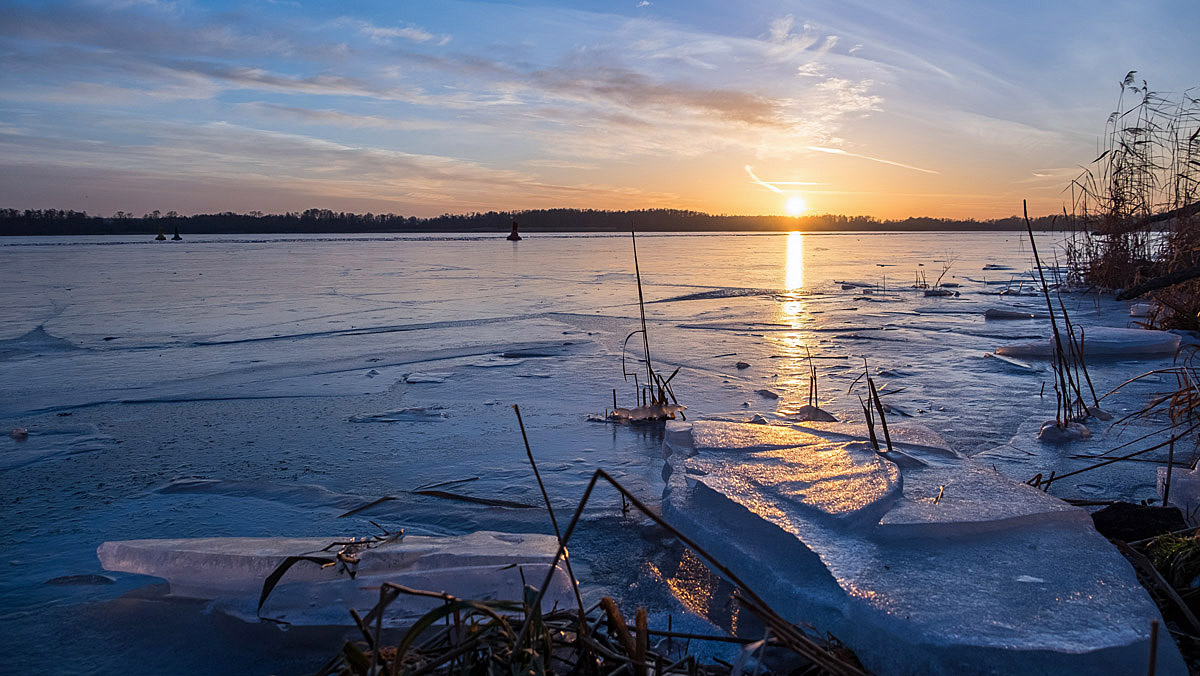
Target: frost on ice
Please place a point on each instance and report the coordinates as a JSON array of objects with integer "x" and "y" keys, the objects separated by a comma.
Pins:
[{"x": 921, "y": 560}]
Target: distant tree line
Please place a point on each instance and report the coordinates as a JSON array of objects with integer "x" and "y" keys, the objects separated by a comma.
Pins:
[{"x": 65, "y": 222}]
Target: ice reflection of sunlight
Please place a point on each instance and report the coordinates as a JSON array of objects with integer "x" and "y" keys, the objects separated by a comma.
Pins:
[
  {"x": 791, "y": 347},
  {"x": 793, "y": 276}
]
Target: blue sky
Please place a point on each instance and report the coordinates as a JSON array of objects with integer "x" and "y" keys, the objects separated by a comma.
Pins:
[{"x": 957, "y": 109}]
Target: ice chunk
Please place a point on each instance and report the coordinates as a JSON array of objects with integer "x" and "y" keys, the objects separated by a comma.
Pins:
[
  {"x": 785, "y": 472},
  {"x": 1185, "y": 488},
  {"x": 646, "y": 413},
  {"x": 949, "y": 569},
  {"x": 942, "y": 502},
  {"x": 708, "y": 435},
  {"x": 1054, "y": 433},
  {"x": 843, "y": 480},
  {"x": 911, "y": 439},
  {"x": 483, "y": 564},
  {"x": 814, "y": 413},
  {"x": 1103, "y": 342}
]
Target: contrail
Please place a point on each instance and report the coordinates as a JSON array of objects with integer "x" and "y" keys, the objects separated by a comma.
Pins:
[
  {"x": 771, "y": 186},
  {"x": 839, "y": 151}
]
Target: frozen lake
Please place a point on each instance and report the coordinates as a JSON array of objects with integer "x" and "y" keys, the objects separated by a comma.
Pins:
[{"x": 260, "y": 386}]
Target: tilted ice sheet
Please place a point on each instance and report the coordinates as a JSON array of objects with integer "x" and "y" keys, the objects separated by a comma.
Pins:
[
  {"x": 848, "y": 481},
  {"x": 969, "y": 499},
  {"x": 965, "y": 572}
]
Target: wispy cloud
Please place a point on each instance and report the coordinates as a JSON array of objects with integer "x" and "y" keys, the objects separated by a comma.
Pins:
[
  {"x": 773, "y": 186},
  {"x": 839, "y": 151},
  {"x": 615, "y": 99},
  {"x": 387, "y": 34}
]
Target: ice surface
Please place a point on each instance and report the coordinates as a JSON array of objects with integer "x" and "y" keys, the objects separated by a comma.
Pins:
[
  {"x": 1104, "y": 342},
  {"x": 950, "y": 569},
  {"x": 236, "y": 365},
  {"x": 44, "y": 444},
  {"x": 411, "y": 414},
  {"x": 483, "y": 564}
]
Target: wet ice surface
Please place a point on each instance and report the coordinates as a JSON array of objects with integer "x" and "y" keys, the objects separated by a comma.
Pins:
[{"x": 219, "y": 387}]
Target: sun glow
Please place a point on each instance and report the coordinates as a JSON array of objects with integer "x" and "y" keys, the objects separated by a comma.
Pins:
[{"x": 795, "y": 206}]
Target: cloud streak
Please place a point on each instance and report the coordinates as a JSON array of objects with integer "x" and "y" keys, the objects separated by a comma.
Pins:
[
  {"x": 839, "y": 151},
  {"x": 773, "y": 186}
]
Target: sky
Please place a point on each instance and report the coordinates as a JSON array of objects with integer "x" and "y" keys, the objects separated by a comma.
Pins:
[{"x": 887, "y": 108}]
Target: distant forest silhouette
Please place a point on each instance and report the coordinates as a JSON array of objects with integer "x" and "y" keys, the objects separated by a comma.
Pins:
[{"x": 64, "y": 222}]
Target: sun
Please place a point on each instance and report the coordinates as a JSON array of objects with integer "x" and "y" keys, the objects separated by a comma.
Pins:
[{"x": 795, "y": 206}]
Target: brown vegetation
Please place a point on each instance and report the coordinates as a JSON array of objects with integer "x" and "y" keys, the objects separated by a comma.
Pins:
[{"x": 1137, "y": 206}]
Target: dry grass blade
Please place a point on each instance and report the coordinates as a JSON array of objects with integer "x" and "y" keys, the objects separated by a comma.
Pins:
[
  {"x": 549, "y": 508},
  {"x": 286, "y": 565},
  {"x": 796, "y": 640}
]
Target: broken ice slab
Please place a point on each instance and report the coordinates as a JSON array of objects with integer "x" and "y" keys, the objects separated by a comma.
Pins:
[
  {"x": 812, "y": 413},
  {"x": 954, "y": 569},
  {"x": 1103, "y": 342},
  {"x": 691, "y": 438},
  {"x": 942, "y": 502},
  {"x": 845, "y": 481},
  {"x": 483, "y": 564},
  {"x": 1141, "y": 310},
  {"x": 1185, "y": 488}
]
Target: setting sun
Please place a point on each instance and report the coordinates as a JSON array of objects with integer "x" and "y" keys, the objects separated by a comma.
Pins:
[{"x": 795, "y": 206}]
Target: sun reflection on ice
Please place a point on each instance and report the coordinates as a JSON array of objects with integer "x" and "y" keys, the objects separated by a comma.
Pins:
[
  {"x": 793, "y": 276},
  {"x": 792, "y": 346}
]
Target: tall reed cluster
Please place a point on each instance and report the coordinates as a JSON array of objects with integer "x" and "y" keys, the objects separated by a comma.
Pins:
[{"x": 1136, "y": 208}]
